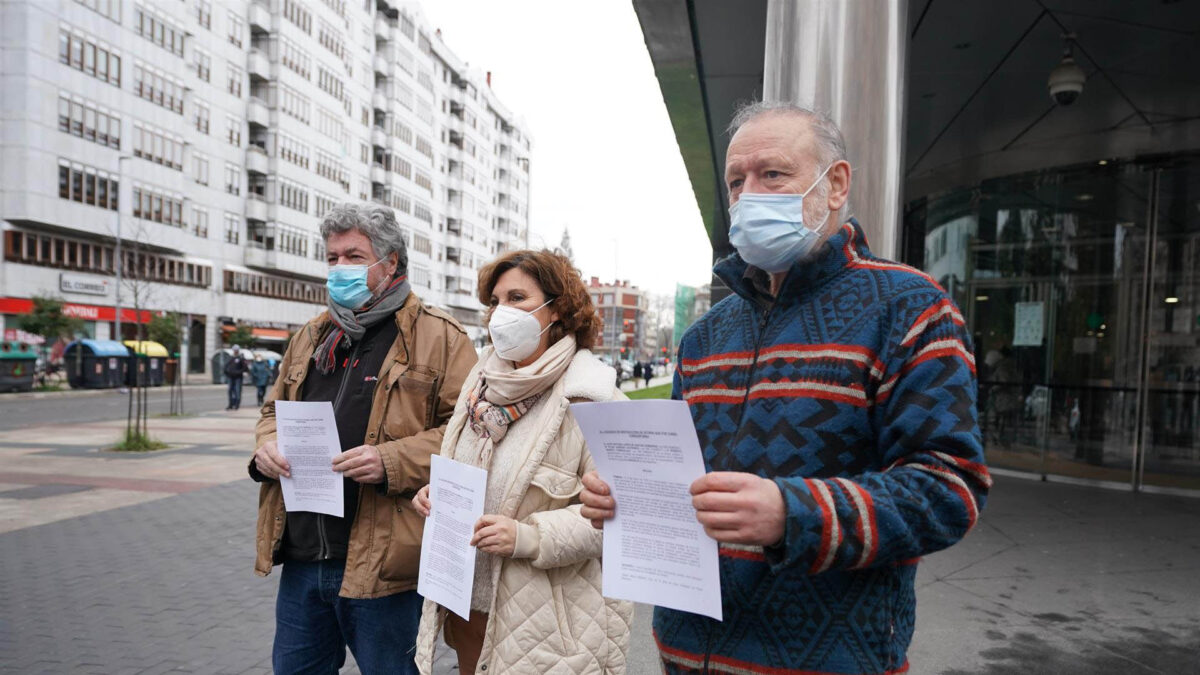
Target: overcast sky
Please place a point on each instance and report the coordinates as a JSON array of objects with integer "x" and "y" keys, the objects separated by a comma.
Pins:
[{"x": 605, "y": 163}]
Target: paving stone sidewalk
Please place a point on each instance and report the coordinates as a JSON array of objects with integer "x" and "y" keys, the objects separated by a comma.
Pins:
[{"x": 1055, "y": 580}]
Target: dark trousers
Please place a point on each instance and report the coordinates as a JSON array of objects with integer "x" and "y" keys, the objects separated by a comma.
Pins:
[
  {"x": 235, "y": 392},
  {"x": 262, "y": 393},
  {"x": 314, "y": 625}
]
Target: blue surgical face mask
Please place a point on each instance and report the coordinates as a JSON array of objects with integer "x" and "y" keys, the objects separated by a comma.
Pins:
[
  {"x": 347, "y": 284},
  {"x": 768, "y": 230}
]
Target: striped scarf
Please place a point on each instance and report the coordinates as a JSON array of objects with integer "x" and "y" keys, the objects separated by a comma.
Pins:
[
  {"x": 505, "y": 392},
  {"x": 349, "y": 325}
]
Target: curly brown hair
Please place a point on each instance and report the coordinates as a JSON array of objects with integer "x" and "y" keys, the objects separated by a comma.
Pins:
[{"x": 562, "y": 285}]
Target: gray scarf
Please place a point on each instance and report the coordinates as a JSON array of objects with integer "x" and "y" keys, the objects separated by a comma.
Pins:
[{"x": 351, "y": 324}]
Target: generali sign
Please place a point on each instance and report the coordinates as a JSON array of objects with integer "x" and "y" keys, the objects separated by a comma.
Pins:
[{"x": 85, "y": 312}]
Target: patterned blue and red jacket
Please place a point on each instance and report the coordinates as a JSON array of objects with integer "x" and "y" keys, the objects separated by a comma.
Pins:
[{"x": 854, "y": 390}]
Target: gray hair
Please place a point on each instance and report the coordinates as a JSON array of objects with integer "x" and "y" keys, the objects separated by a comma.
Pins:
[
  {"x": 376, "y": 222},
  {"x": 831, "y": 146}
]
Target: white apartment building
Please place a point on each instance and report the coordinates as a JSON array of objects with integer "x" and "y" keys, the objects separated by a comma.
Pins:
[{"x": 213, "y": 134}]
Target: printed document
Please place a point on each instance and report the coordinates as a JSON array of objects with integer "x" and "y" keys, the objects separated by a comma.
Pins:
[
  {"x": 655, "y": 551},
  {"x": 447, "y": 574},
  {"x": 308, "y": 438}
]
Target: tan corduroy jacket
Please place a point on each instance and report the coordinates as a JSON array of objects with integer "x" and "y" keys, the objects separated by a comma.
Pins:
[
  {"x": 419, "y": 383},
  {"x": 547, "y": 614}
]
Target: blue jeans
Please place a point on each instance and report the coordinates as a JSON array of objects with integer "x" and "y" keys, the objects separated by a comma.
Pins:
[
  {"x": 235, "y": 392},
  {"x": 313, "y": 625}
]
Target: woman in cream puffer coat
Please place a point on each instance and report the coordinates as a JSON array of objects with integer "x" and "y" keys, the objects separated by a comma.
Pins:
[{"x": 545, "y": 612}]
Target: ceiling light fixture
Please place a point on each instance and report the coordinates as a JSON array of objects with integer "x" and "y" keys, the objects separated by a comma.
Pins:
[
  {"x": 1171, "y": 300},
  {"x": 1067, "y": 79}
]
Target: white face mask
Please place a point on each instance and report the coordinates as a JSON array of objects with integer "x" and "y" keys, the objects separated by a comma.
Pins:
[{"x": 515, "y": 332}]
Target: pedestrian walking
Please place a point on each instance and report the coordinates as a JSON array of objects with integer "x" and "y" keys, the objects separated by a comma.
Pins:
[
  {"x": 260, "y": 374},
  {"x": 637, "y": 373},
  {"x": 235, "y": 368},
  {"x": 840, "y": 437},
  {"x": 392, "y": 366},
  {"x": 648, "y": 372},
  {"x": 534, "y": 551}
]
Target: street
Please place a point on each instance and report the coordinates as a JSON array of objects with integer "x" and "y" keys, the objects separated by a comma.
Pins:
[
  {"x": 19, "y": 411},
  {"x": 142, "y": 563}
]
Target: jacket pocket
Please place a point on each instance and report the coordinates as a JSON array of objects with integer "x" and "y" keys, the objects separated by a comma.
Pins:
[
  {"x": 560, "y": 485},
  {"x": 402, "y": 559},
  {"x": 410, "y": 403},
  {"x": 292, "y": 381},
  {"x": 560, "y": 613}
]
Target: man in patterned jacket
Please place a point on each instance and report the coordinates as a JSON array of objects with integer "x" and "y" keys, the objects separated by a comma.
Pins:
[{"x": 833, "y": 394}]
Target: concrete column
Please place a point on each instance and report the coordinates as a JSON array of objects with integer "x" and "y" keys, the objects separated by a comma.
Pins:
[{"x": 848, "y": 59}]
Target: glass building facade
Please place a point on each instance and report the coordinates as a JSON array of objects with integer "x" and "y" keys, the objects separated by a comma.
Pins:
[
  {"x": 1081, "y": 287},
  {"x": 1040, "y": 159}
]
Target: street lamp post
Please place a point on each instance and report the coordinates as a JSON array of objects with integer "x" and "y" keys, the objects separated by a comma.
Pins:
[{"x": 120, "y": 206}]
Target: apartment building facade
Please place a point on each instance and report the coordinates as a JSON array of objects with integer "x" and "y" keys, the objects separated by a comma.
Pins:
[
  {"x": 201, "y": 148},
  {"x": 623, "y": 310}
]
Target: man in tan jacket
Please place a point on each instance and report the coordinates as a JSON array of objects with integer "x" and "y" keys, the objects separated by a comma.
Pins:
[{"x": 393, "y": 368}]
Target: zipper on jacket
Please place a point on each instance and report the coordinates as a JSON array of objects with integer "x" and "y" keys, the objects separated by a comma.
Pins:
[
  {"x": 325, "y": 548},
  {"x": 762, "y": 330}
]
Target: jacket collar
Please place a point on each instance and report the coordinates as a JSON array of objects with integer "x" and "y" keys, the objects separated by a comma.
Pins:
[
  {"x": 404, "y": 318},
  {"x": 588, "y": 377},
  {"x": 847, "y": 246}
]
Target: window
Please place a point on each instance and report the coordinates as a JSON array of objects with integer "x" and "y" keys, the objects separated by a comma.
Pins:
[
  {"x": 294, "y": 57},
  {"x": 200, "y": 222},
  {"x": 157, "y": 146},
  {"x": 202, "y": 115},
  {"x": 424, "y": 147},
  {"x": 329, "y": 167},
  {"x": 293, "y": 195},
  {"x": 236, "y": 28},
  {"x": 324, "y": 204},
  {"x": 233, "y": 230},
  {"x": 235, "y": 79},
  {"x": 422, "y": 180},
  {"x": 86, "y": 120},
  {"x": 294, "y": 11},
  {"x": 203, "y": 63},
  {"x": 233, "y": 179},
  {"x": 107, "y": 8},
  {"x": 101, "y": 62},
  {"x": 158, "y": 29},
  {"x": 86, "y": 185},
  {"x": 204, "y": 13},
  {"x": 157, "y": 205},
  {"x": 152, "y": 85},
  {"x": 274, "y": 287},
  {"x": 293, "y": 150},
  {"x": 233, "y": 129},
  {"x": 421, "y": 244},
  {"x": 200, "y": 168},
  {"x": 419, "y": 276},
  {"x": 421, "y": 212},
  {"x": 331, "y": 39},
  {"x": 330, "y": 83},
  {"x": 294, "y": 104},
  {"x": 48, "y": 250}
]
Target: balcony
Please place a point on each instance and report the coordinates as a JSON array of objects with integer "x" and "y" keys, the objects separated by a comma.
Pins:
[
  {"x": 257, "y": 112},
  {"x": 378, "y": 174},
  {"x": 256, "y": 160},
  {"x": 257, "y": 208},
  {"x": 269, "y": 260},
  {"x": 383, "y": 30},
  {"x": 382, "y": 67},
  {"x": 379, "y": 137},
  {"x": 260, "y": 16},
  {"x": 379, "y": 100},
  {"x": 259, "y": 64}
]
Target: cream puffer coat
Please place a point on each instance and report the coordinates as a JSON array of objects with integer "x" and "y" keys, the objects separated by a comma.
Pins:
[{"x": 546, "y": 614}]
